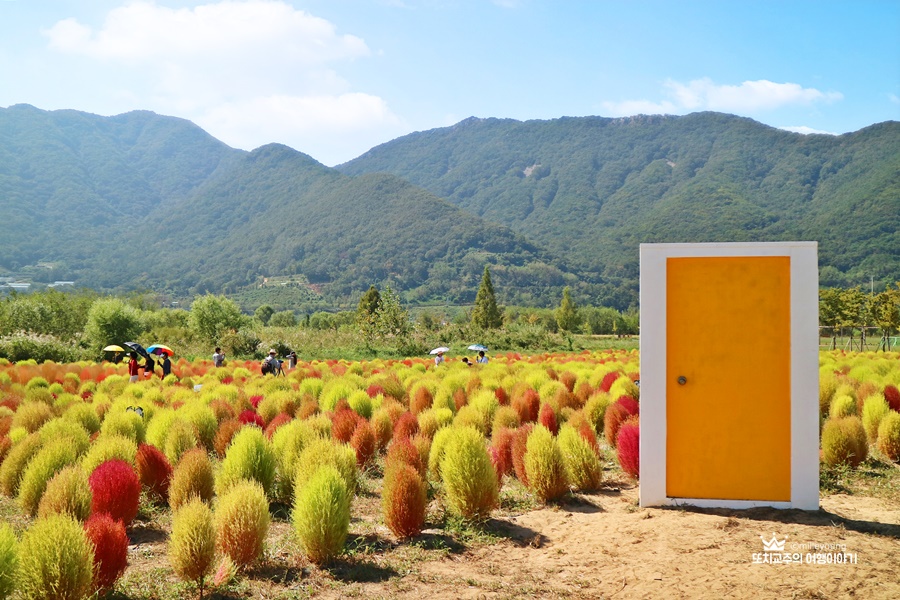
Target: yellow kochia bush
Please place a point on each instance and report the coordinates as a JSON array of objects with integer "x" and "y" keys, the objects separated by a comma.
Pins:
[
  {"x": 242, "y": 522},
  {"x": 50, "y": 460},
  {"x": 583, "y": 469},
  {"x": 844, "y": 441},
  {"x": 8, "y": 560},
  {"x": 67, "y": 492},
  {"x": 889, "y": 436},
  {"x": 321, "y": 514},
  {"x": 192, "y": 545},
  {"x": 544, "y": 465},
  {"x": 56, "y": 560},
  {"x": 470, "y": 484},
  {"x": 249, "y": 456}
]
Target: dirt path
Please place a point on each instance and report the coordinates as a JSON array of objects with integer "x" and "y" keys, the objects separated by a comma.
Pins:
[{"x": 603, "y": 546}]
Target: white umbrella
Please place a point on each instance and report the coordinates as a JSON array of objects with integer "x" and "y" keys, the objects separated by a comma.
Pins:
[
  {"x": 478, "y": 347},
  {"x": 439, "y": 349}
]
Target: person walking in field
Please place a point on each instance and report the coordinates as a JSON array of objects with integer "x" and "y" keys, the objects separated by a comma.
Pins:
[
  {"x": 439, "y": 359},
  {"x": 482, "y": 359},
  {"x": 166, "y": 365},
  {"x": 132, "y": 367},
  {"x": 218, "y": 357},
  {"x": 149, "y": 367}
]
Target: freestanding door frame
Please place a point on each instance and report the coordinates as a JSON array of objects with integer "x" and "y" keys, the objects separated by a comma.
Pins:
[{"x": 803, "y": 339}]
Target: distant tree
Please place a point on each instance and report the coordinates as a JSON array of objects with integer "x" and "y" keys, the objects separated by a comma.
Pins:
[
  {"x": 486, "y": 314},
  {"x": 283, "y": 318},
  {"x": 112, "y": 321},
  {"x": 567, "y": 313},
  {"x": 886, "y": 313},
  {"x": 392, "y": 319},
  {"x": 264, "y": 313},
  {"x": 211, "y": 316},
  {"x": 367, "y": 314}
]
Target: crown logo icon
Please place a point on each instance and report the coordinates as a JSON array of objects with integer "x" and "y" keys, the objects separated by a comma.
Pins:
[{"x": 773, "y": 545}]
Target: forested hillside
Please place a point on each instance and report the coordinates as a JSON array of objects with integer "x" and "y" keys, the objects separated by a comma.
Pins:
[
  {"x": 591, "y": 189},
  {"x": 143, "y": 201}
]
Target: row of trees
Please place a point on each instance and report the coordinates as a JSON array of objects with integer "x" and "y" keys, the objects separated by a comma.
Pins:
[{"x": 852, "y": 310}]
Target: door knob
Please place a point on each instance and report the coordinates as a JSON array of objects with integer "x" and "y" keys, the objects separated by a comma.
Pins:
[{"x": 682, "y": 380}]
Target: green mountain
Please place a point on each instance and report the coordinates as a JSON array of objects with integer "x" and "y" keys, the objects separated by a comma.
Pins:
[
  {"x": 143, "y": 201},
  {"x": 72, "y": 183},
  {"x": 592, "y": 189}
]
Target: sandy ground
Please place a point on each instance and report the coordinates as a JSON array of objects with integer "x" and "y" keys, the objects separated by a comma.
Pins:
[
  {"x": 594, "y": 546},
  {"x": 604, "y": 546}
]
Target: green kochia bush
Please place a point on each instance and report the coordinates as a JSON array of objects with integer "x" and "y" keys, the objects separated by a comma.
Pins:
[
  {"x": 180, "y": 439},
  {"x": 8, "y": 560},
  {"x": 844, "y": 442},
  {"x": 874, "y": 410},
  {"x": 889, "y": 436},
  {"x": 192, "y": 476},
  {"x": 544, "y": 465},
  {"x": 325, "y": 452},
  {"x": 85, "y": 415},
  {"x": 250, "y": 456},
  {"x": 46, "y": 463},
  {"x": 192, "y": 545},
  {"x": 242, "y": 522},
  {"x": 127, "y": 423},
  {"x": 583, "y": 469},
  {"x": 67, "y": 492},
  {"x": 55, "y": 560},
  {"x": 321, "y": 515},
  {"x": 15, "y": 462},
  {"x": 73, "y": 431},
  {"x": 108, "y": 447},
  {"x": 468, "y": 475}
]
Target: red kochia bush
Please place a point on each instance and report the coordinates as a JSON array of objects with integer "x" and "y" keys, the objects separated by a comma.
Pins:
[
  {"x": 363, "y": 442},
  {"x": 527, "y": 405},
  {"x": 404, "y": 500},
  {"x": 110, "y": 549},
  {"x": 279, "y": 420},
  {"x": 547, "y": 418},
  {"x": 501, "y": 441},
  {"x": 116, "y": 489},
  {"x": 226, "y": 431},
  {"x": 402, "y": 451},
  {"x": 343, "y": 424},
  {"x": 608, "y": 380},
  {"x": 406, "y": 426},
  {"x": 250, "y": 417},
  {"x": 154, "y": 471},
  {"x": 616, "y": 414},
  {"x": 518, "y": 448},
  {"x": 892, "y": 395},
  {"x": 586, "y": 431},
  {"x": 628, "y": 448},
  {"x": 421, "y": 400},
  {"x": 502, "y": 396}
]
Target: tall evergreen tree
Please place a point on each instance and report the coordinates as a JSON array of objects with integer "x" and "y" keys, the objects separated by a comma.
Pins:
[
  {"x": 567, "y": 313},
  {"x": 367, "y": 313},
  {"x": 486, "y": 314}
]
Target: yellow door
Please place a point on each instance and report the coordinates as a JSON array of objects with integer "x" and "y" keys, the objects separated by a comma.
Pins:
[{"x": 728, "y": 401}]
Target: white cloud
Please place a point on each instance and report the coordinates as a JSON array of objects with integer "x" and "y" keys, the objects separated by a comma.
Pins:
[
  {"x": 807, "y": 130},
  {"x": 894, "y": 98},
  {"x": 332, "y": 123},
  {"x": 249, "y": 72},
  {"x": 704, "y": 94}
]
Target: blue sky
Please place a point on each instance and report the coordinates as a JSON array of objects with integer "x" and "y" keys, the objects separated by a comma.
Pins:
[{"x": 333, "y": 78}]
